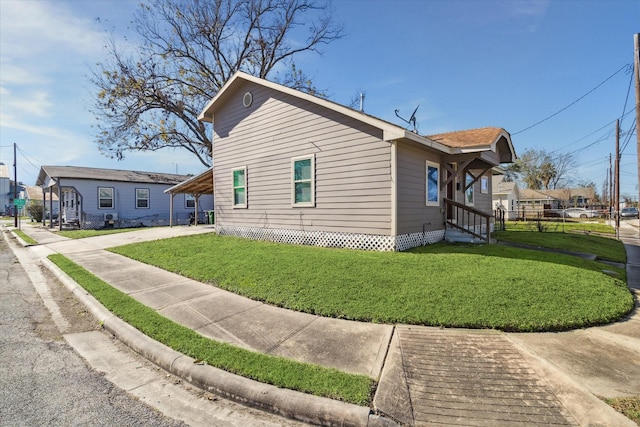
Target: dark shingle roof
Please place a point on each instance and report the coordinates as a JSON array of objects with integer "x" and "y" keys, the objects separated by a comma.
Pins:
[{"x": 79, "y": 172}]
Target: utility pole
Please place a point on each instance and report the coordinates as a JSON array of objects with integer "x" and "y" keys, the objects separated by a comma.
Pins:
[
  {"x": 15, "y": 187},
  {"x": 636, "y": 61},
  {"x": 617, "y": 179},
  {"x": 610, "y": 187}
]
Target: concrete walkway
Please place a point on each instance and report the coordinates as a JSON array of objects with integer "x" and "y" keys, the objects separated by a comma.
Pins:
[{"x": 427, "y": 376}]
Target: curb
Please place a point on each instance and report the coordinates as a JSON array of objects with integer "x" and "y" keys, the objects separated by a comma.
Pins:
[
  {"x": 288, "y": 403},
  {"x": 19, "y": 239}
]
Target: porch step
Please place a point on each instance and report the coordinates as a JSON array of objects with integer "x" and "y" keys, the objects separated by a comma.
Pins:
[{"x": 454, "y": 235}]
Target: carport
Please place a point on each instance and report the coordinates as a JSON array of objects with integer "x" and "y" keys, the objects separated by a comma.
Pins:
[{"x": 196, "y": 186}]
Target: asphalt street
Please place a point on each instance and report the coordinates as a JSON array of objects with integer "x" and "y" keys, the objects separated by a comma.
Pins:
[
  {"x": 59, "y": 371},
  {"x": 42, "y": 380}
]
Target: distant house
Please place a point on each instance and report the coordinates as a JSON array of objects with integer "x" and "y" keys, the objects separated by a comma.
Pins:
[
  {"x": 6, "y": 191},
  {"x": 34, "y": 195},
  {"x": 295, "y": 168},
  {"x": 533, "y": 202},
  {"x": 95, "y": 198},
  {"x": 506, "y": 196}
]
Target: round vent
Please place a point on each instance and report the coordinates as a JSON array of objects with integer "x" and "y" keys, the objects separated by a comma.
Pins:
[{"x": 247, "y": 99}]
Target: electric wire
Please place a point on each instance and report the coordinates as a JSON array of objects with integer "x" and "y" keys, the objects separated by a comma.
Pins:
[
  {"x": 573, "y": 103},
  {"x": 628, "y": 135}
]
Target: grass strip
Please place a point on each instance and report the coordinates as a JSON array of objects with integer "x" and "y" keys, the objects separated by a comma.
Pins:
[
  {"x": 81, "y": 234},
  {"x": 25, "y": 237},
  {"x": 629, "y": 406},
  {"x": 281, "y": 372},
  {"x": 559, "y": 226},
  {"x": 473, "y": 286},
  {"x": 604, "y": 248}
]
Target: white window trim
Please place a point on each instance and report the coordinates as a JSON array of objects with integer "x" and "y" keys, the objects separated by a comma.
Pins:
[
  {"x": 426, "y": 181},
  {"x": 312, "y": 203},
  {"x": 246, "y": 189},
  {"x": 484, "y": 185},
  {"x": 113, "y": 198},
  {"x": 473, "y": 191},
  {"x": 188, "y": 197},
  {"x": 148, "y": 198}
]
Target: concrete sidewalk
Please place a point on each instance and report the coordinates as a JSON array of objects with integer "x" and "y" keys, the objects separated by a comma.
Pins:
[{"x": 427, "y": 376}]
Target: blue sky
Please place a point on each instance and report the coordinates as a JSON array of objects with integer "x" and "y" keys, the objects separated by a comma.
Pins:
[{"x": 467, "y": 64}]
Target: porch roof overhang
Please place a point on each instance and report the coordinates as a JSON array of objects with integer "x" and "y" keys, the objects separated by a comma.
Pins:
[{"x": 199, "y": 184}]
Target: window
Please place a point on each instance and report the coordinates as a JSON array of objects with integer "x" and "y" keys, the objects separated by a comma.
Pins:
[
  {"x": 142, "y": 198},
  {"x": 468, "y": 195},
  {"x": 240, "y": 187},
  {"x": 484, "y": 185},
  {"x": 433, "y": 184},
  {"x": 189, "y": 201},
  {"x": 105, "y": 198},
  {"x": 303, "y": 185}
]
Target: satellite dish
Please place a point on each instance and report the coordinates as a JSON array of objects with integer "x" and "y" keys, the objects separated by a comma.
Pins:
[{"x": 412, "y": 119}]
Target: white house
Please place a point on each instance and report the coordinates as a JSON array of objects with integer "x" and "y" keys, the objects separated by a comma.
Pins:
[
  {"x": 96, "y": 198},
  {"x": 506, "y": 197}
]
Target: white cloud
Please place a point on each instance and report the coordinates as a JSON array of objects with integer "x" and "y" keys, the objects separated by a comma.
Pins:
[
  {"x": 37, "y": 27},
  {"x": 32, "y": 103}
]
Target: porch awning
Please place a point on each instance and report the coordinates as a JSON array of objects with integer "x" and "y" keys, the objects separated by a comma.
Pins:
[{"x": 199, "y": 184}]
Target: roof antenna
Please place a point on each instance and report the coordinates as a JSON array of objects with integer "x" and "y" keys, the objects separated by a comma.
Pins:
[{"x": 412, "y": 119}]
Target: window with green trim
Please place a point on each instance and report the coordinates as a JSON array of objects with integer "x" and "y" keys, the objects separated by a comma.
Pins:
[
  {"x": 303, "y": 181},
  {"x": 240, "y": 187}
]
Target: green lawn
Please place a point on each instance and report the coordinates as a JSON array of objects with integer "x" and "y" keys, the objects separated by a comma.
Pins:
[
  {"x": 269, "y": 369},
  {"x": 603, "y": 247},
  {"x": 476, "y": 286},
  {"x": 566, "y": 226},
  {"x": 81, "y": 234}
]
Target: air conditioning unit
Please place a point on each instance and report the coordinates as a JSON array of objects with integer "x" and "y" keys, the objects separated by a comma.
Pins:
[{"x": 110, "y": 216}]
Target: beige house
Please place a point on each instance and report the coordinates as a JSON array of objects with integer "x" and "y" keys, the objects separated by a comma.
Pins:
[{"x": 295, "y": 168}]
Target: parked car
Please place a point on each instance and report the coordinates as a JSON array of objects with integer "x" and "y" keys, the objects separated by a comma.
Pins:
[
  {"x": 629, "y": 213},
  {"x": 581, "y": 213}
]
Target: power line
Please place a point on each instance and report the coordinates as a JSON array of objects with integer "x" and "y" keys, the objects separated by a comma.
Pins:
[
  {"x": 574, "y": 102},
  {"x": 628, "y": 136},
  {"x": 27, "y": 159}
]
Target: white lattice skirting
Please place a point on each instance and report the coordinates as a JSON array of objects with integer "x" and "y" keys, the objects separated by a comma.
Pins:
[{"x": 367, "y": 242}]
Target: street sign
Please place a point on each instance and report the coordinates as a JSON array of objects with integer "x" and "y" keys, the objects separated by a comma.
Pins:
[{"x": 18, "y": 203}]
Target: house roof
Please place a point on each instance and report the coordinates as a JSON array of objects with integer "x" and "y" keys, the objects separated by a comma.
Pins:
[
  {"x": 558, "y": 194},
  {"x": 35, "y": 193},
  {"x": 199, "y": 184},
  {"x": 499, "y": 185},
  {"x": 452, "y": 143},
  {"x": 469, "y": 138},
  {"x": 98, "y": 174}
]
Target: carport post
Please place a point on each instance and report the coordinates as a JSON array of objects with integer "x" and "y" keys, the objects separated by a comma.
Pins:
[
  {"x": 171, "y": 209},
  {"x": 196, "y": 197}
]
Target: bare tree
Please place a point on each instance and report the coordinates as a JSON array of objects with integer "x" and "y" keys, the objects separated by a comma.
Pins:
[
  {"x": 149, "y": 99},
  {"x": 538, "y": 170}
]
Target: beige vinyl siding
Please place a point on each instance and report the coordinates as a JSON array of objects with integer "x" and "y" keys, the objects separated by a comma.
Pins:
[
  {"x": 352, "y": 165},
  {"x": 482, "y": 202},
  {"x": 412, "y": 210}
]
